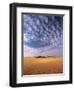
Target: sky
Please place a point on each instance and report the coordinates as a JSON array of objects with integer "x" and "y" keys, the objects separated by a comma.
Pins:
[{"x": 42, "y": 35}]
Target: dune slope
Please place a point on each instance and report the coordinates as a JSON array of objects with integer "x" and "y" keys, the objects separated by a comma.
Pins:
[{"x": 48, "y": 65}]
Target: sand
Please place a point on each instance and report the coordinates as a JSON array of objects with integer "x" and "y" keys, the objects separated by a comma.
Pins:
[{"x": 48, "y": 65}]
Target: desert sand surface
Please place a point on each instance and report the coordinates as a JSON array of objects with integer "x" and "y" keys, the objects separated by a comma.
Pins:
[{"x": 48, "y": 65}]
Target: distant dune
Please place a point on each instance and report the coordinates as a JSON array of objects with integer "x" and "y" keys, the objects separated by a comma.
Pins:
[
  {"x": 44, "y": 56},
  {"x": 42, "y": 65},
  {"x": 40, "y": 57}
]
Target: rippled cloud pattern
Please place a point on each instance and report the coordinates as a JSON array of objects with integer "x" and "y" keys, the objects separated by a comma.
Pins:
[{"x": 43, "y": 31}]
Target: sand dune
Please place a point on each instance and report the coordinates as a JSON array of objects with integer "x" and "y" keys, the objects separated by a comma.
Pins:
[{"x": 48, "y": 65}]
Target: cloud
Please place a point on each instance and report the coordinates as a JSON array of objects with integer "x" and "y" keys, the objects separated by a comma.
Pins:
[
  {"x": 44, "y": 51},
  {"x": 43, "y": 35}
]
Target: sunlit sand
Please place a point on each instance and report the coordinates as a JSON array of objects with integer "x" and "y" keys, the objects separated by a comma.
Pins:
[{"x": 48, "y": 65}]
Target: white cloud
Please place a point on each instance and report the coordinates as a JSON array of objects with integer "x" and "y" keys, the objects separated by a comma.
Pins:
[{"x": 43, "y": 51}]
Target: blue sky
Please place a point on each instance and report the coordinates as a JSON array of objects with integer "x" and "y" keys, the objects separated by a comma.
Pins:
[{"x": 43, "y": 31}]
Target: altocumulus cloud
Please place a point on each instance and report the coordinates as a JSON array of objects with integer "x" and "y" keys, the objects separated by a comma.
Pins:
[{"x": 43, "y": 34}]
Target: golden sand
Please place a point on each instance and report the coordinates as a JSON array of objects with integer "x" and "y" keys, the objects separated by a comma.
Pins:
[{"x": 48, "y": 65}]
